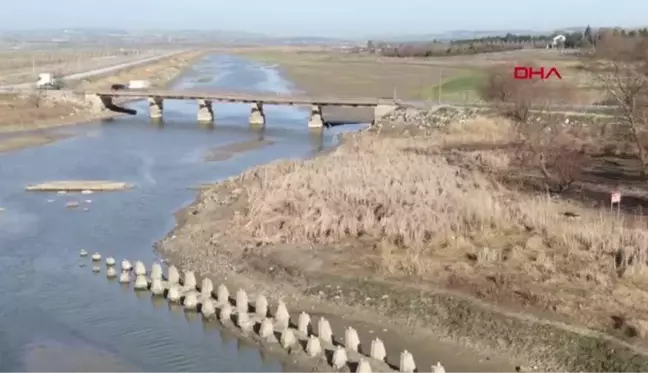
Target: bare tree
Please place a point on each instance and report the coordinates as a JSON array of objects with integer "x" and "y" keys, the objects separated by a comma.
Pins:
[
  {"x": 543, "y": 141},
  {"x": 620, "y": 65}
]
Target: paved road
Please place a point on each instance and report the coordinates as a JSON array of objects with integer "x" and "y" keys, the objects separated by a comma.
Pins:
[{"x": 90, "y": 73}]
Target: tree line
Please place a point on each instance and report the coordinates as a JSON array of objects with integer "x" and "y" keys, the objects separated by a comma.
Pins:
[{"x": 488, "y": 44}]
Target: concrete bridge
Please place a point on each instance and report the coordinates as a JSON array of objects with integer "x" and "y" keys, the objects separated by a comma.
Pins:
[{"x": 257, "y": 101}]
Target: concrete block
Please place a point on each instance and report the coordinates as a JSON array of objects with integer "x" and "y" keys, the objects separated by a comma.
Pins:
[
  {"x": 243, "y": 321},
  {"x": 206, "y": 288},
  {"x": 363, "y": 366},
  {"x": 124, "y": 277},
  {"x": 126, "y": 265},
  {"x": 225, "y": 313},
  {"x": 96, "y": 268},
  {"x": 324, "y": 331},
  {"x": 339, "y": 360},
  {"x": 156, "y": 107},
  {"x": 437, "y": 368},
  {"x": 139, "y": 269},
  {"x": 189, "y": 280},
  {"x": 173, "y": 276},
  {"x": 282, "y": 317},
  {"x": 316, "y": 120},
  {"x": 287, "y": 338},
  {"x": 266, "y": 330},
  {"x": 205, "y": 111},
  {"x": 174, "y": 294},
  {"x": 207, "y": 308},
  {"x": 351, "y": 339},
  {"x": 110, "y": 261},
  {"x": 96, "y": 257},
  {"x": 111, "y": 272},
  {"x": 378, "y": 350},
  {"x": 261, "y": 306},
  {"x": 141, "y": 283},
  {"x": 406, "y": 363},
  {"x": 257, "y": 116},
  {"x": 156, "y": 271},
  {"x": 222, "y": 294},
  {"x": 190, "y": 302},
  {"x": 303, "y": 323},
  {"x": 157, "y": 286},
  {"x": 313, "y": 346},
  {"x": 241, "y": 301}
]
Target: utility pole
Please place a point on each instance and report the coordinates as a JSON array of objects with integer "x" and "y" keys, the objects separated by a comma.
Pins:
[{"x": 440, "y": 84}]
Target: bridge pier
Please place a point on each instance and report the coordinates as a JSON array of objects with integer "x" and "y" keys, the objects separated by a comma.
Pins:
[
  {"x": 382, "y": 110},
  {"x": 205, "y": 111},
  {"x": 316, "y": 120},
  {"x": 156, "y": 107},
  {"x": 257, "y": 116}
]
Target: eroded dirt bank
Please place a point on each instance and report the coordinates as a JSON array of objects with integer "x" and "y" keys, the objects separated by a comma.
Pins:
[{"x": 417, "y": 231}]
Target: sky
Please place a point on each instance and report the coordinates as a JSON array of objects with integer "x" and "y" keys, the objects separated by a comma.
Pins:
[{"x": 327, "y": 18}]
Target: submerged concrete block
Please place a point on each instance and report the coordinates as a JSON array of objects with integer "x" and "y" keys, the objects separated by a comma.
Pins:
[
  {"x": 351, "y": 339},
  {"x": 157, "y": 286},
  {"x": 111, "y": 272},
  {"x": 225, "y": 313},
  {"x": 206, "y": 288},
  {"x": 339, "y": 360},
  {"x": 110, "y": 261},
  {"x": 287, "y": 338},
  {"x": 406, "y": 363},
  {"x": 243, "y": 321},
  {"x": 303, "y": 323},
  {"x": 282, "y": 317},
  {"x": 363, "y": 366},
  {"x": 437, "y": 368},
  {"x": 313, "y": 346},
  {"x": 222, "y": 295},
  {"x": 205, "y": 111},
  {"x": 261, "y": 306},
  {"x": 126, "y": 265},
  {"x": 82, "y": 252},
  {"x": 266, "y": 330},
  {"x": 324, "y": 331},
  {"x": 96, "y": 257},
  {"x": 139, "y": 269},
  {"x": 141, "y": 283},
  {"x": 378, "y": 350},
  {"x": 189, "y": 280},
  {"x": 156, "y": 107},
  {"x": 124, "y": 277},
  {"x": 316, "y": 120},
  {"x": 156, "y": 271},
  {"x": 190, "y": 301},
  {"x": 207, "y": 308},
  {"x": 257, "y": 116},
  {"x": 174, "y": 295},
  {"x": 96, "y": 268},
  {"x": 173, "y": 276},
  {"x": 241, "y": 301}
]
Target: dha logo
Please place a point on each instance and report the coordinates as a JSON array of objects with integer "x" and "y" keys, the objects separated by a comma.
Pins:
[{"x": 531, "y": 73}]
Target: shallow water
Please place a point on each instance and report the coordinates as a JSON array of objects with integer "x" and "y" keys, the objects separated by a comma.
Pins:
[{"x": 56, "y": 315}]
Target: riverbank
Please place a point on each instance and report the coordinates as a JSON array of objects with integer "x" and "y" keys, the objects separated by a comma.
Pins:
[
  {"x": 39, "y": 111},
  {"x": 436, "y": 254}
]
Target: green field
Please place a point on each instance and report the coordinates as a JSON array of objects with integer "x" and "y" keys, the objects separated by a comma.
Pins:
[{"x": 462, "y": 87}]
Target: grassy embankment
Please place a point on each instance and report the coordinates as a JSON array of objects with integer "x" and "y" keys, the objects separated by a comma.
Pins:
[
  {"x": 20, "y": 113},
  {"x": 433, "y": 232}
]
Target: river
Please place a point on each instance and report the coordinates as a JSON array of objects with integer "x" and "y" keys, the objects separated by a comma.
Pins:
[{"x": 55, "y": 314}]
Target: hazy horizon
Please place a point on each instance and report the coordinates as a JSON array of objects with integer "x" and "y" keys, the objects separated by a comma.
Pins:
[{"x": 339, "y": 18}]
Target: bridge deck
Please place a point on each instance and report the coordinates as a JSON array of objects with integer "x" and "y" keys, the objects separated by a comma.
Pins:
[{"x": 266, "y": 98}]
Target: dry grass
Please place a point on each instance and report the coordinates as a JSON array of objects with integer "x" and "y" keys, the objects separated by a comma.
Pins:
[{"x": 413, "y": 213}]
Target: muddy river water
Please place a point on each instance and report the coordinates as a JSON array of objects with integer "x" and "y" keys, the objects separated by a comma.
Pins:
[{"x": 56, "y": 315}]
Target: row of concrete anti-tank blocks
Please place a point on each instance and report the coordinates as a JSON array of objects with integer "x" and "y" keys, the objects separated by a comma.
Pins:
[{"x": 276, "y": 328}]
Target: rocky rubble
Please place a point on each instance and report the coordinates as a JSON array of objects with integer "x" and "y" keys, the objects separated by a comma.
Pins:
[{"x": 419, "y": 120}]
